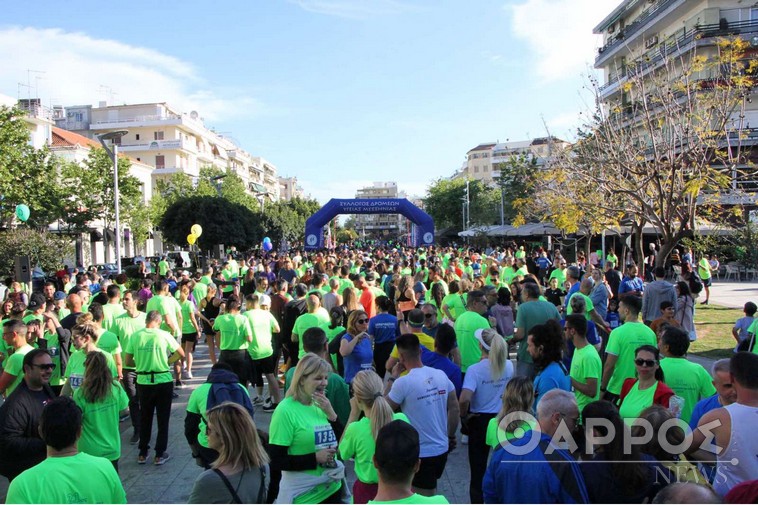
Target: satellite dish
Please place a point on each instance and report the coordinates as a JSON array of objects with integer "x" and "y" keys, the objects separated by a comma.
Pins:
[{"x": 193, "y": 114}]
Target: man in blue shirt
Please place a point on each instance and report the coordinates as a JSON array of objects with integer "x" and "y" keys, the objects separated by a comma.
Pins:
[
  {"x": 725, "y": 393},
  {"x": 544, "y": 474},
  {"x": 383, "y": 330},
  {"x": 438, "y": 357},
  {"x": 631, "y": 284}
]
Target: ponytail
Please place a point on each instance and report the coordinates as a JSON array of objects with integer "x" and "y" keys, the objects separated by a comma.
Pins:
[
  {"x": 381, "y": 414},
  {"x": 498, "y": 355},
  {"x": 367, "y": 388}
]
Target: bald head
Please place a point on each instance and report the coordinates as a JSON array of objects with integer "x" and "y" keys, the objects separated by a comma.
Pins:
[
  {"x": 686, "y": 492},
  {"x": 74, "y": 303},
  {"x": 586, "y": 286}
]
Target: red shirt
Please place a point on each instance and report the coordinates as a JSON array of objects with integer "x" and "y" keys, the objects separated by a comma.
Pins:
[{"x": 367, "y": 300}]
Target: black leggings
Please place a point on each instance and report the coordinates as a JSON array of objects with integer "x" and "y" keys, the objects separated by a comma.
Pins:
[{"x": 478, "y": 451}]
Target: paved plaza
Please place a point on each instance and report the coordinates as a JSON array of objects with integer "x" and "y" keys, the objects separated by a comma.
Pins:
[{"x": 172, "y": 482}]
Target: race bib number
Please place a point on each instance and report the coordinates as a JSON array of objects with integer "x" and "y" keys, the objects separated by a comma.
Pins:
[
  {"x": 76, "y": 381},
  {"x": 325, "y": 437}
]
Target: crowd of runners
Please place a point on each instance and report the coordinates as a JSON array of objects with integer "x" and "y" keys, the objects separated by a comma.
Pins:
[{"x": 562, "y": 381}]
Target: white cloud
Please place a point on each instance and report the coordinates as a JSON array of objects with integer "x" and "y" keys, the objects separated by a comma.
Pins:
[
  {"x": 559, "y": 34},
  {"x": 7, "y": 100},
  {"x": 352, "y": 9},
  {"x": 77, "y": 69}
]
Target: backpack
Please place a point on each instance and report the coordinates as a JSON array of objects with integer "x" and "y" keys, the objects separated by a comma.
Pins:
[
  {"x": 221, "y": 392},
  {"x": 696, "y": 284}
]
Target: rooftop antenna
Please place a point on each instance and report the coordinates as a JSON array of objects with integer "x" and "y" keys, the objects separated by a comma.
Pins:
[{"x": 29, "y": 73}]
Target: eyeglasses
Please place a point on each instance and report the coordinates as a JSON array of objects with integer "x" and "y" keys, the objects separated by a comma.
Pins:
[
  {"x": 362, "y": 321},
  {"x": 649, "y": 363},
  {"x": 45, "y": 366}
]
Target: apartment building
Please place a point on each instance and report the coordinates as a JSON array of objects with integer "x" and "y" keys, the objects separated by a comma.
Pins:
[
  {"x": 639, "y": 35},
  {"x": 289, "y": 188},
  {"x": 482, "y": 161},
  {"x": 171, "y": 142},
  {"x": 380, "y": 226}
]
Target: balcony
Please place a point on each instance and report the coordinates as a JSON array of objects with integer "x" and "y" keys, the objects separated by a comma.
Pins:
[
  {"x": 148, "y": 120},
  {"x": 627, "y": 32},
  {"x": 701, "y": 35},
  {"x": 159, "y": 145}
]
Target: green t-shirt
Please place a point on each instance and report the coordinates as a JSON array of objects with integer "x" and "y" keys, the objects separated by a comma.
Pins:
[
  {"x": 337, "y": 391},
  {"x": 262, "y": 323},
  {"x": 704, "y": 268},
  {"x": 188, "y": 308},
  {"x": 330, "y": 334},
  {"x": 358, "y": 442},
  {"x": 308, "y": 320},
  {"x": 636, "y": 401},
  {"x": 589, "y": 306},
  {"x": 125, "y": 326},
  {"x": 32, "y": 317},
  {"x": 560, "y": 275},
  {"x": 529, "y": 315},
  {"x": 71, "y": 479},
  {"x": 110, "y": 312},
  {"x": 304, "y": 429},
  {"x": 495, "y": 435},
  {"x": 415, "y": 498},
  {"x": 228, "y": 275},
  {"x": 100, "y": 433},
  {"x": 465, "y": 326},
  {"x": 14, "y": 365},
  {"x": 688, "y": 380},
  {"x": 162, "y": 267},
  {"x": 622, "y": 342},
  {"x": 234, "y": 329},
  {"x": 206, "y": 279},
  {"x": 151, "y": 348},
  {"x": 75, "y": 368},
  {"x": 200, "y": 291},
  {"x": 454, "y": 302},
  {"x": 197, "y": 403},
  {"x": 52, "y": 347},
  {"x": 586, "y": 364},
  {"x": 108, "y": 342},
  {"x": 168, "y": 308}
]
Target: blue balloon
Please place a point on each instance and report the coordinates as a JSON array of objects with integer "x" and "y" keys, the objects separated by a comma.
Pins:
[{"x": 267, "y": 246}]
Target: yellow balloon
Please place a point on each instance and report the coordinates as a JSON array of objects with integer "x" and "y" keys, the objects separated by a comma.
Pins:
[
  {"x": 191, "y": 239},
  {"x": 197, "y": 230}
]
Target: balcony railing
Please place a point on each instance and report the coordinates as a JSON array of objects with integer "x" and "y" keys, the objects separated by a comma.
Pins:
[
  {"x": 654, "y": 56},
  {"x": 158, "y": 145},
  {"x": 627, "y": 31}
]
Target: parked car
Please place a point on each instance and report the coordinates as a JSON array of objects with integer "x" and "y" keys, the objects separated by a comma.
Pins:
[{"x": 107, "y": 270}]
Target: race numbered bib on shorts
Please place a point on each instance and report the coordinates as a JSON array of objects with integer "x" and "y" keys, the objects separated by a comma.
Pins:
[
  {"x": 76, "y": 381},
  {"x": 325, "y": 437}
]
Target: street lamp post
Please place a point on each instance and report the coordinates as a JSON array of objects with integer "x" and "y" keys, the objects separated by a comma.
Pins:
[{"x": 114, "y": 156}]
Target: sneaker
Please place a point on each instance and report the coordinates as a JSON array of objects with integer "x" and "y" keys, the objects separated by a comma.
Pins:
[
  {"x": 185, "y": 375},
  {"x": 189, "y": 375},
  {"x": 159, "y": 460},
  {"x": 174, "y": 394},
  {"x": 269, "y": 407},
  {"x": 179, "y": 385},
  {"x": 135, "y": 438},
  {"x": 258, "y": 401},
  {"x": 124, "y": 418},
  {"x": 464, "y": 439},
  {"x": 141, "y": 460}
]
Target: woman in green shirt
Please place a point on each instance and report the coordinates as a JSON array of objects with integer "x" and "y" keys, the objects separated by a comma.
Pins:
[
  {"x": 359, "y": 439},
  {"x": 647, "y": 389},
  {"x": 102, "y": 400},
  {"x": 518, "y": 398}
]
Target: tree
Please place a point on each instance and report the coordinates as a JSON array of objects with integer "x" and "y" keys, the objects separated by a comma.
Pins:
[
  {"x": 444, "y": 202},
  {"x": 27, "y": 175},
  {"x": 516, "y": 180},
  {"x": 665, "y": 151},
  {"x": 91, "y": 192},
  {"x": 223, "y": 222},
  {"x": 285, "y": 220},
  {"x": 44, "y": 249}
]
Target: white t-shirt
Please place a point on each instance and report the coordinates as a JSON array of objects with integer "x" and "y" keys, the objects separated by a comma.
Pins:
[
  {"x": 422, "y": 395},
  {"x": 488, "y": 393}
]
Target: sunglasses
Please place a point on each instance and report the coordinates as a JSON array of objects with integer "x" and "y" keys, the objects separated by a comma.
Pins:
[
  {"x": 45, "y": 366},
  {"x": 362, "y": 321},
  {"x": 649, "y": 363}
]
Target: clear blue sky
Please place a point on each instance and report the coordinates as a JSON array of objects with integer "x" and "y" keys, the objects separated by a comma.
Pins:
[{"x": 335, "y": 92}]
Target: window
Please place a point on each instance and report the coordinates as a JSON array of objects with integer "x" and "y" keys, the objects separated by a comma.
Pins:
[
  {"x": 476, "y": 169},
  {"x": 136, "y": 136},
  {"x": 160, "y": 161},
  {"x": 157, "y": 135},
  {"x": 485, "y": 169}
]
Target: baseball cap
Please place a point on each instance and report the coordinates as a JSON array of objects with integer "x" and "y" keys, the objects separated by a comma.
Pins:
[
  {"x": 264, "y": 300},
  {"x": 59, "y": 295},
  {"x": 36, "y": 301},
  {"x": 416, "y": 317}
]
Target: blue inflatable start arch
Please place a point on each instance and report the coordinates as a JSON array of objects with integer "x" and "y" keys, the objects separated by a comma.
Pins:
[{"x": 422, "y": 232}]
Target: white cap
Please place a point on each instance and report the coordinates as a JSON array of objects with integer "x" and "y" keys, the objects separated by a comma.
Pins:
[
  {"x": 480, "y": 338},
  {"x": 264, "y": 300},
  {"x": 185, "y": 272}
]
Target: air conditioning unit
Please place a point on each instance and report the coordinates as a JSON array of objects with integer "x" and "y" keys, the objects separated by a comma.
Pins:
[{"x": 650, "y": 42}]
